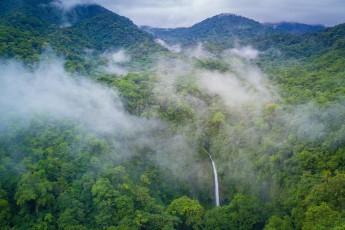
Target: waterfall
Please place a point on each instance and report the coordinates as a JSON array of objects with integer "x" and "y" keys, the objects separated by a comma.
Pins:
[{"x": 216, "y": 185}]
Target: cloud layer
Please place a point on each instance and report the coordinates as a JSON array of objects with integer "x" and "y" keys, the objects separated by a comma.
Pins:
[{"x": 50, "y": 91}]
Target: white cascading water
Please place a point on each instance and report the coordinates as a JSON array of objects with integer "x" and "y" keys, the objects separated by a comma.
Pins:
[{"x": 216, "y": 186}]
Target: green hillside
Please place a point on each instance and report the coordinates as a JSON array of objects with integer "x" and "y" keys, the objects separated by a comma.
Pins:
[
  {"x": 308, "y": 66},
  {"x": 104, "y": 32},
  {"x": 223, "y": 30},
  {"x": 296, "y": 28},
  {"x": 138, "y": 150},
  {"x": 91, "y": 27},
  {"x": 303, "y": 45}
]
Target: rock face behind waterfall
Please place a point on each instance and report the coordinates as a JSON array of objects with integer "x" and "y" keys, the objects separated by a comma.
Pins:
[{"x": 216, "y": 185}]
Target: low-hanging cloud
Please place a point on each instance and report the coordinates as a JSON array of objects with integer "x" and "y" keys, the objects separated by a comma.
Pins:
[
  {"x": 50, "y": 91},
  {"x": 116, "y": 62},
  {"x": 173, "y": 48},
  {"x": 240, "y": 94},
  {"x": 198, "y": 52},
  {"x": 244, "y": 86},
  {"x": 244, "y": 89},
  {"x": 246, "y": 52}
]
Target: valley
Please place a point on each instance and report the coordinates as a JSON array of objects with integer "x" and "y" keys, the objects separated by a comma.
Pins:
[{"x": 227, "y": 124}]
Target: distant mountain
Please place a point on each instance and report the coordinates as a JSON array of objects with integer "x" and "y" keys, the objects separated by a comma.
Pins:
[
  {"x": 295, "y": 27},
  {"x": 225, "y": 29},
  {"x": 34, "y": 14},
  {"x": 35, "y": 24},
  {"x": 310, "y": 65},
  {"x": 105, "y": 32},
  {"x": 8, "y": 6},
  {"x": 304, "y": 45},
  {"x": 82, "y": 12},
  {"x": 276, "y": 41},
  {"x": 27, "y": 27},
  {"x": 47, "y": 12}
]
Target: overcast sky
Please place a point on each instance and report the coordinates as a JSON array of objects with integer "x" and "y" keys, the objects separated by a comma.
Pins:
[{"x": 177, "y": 13}]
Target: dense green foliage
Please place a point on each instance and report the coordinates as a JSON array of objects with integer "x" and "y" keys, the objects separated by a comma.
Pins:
[
  {"x": 319, "y": 73},
  {"x": 23, "y": 45},
  {"x": 80, "y": 35},
  {"x": 57, "y": 176},
  {"x": 223, "y": 30},
  {"x": 295, "y": 28},
  {"x": 280, "y": 166}
]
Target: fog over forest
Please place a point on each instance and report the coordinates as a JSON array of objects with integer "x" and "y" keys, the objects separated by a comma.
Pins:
[{"x": 227, "y": 124}]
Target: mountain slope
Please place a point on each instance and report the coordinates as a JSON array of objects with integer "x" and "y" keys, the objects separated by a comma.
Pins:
[
  {"x": 226, "y": 29},
  {"x": 303, "y": 45},
  {"x": 91, "y": 27},
  {"x": 308, "y": 67},
  {"x": 295, "y": 27},
  {"x": 7, "y": 6},
  {"x": 106, "y": 31},
  {"x": 35, "y": 15},
  {"x": 73, "y": 156},
  {"x": 47, "y": 12}
]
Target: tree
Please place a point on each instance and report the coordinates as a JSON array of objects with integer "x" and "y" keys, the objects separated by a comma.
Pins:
[
  {"x": 5, "y": 212},
  {"x": 277, "y": 223},
  {"x": 34, "y": 187},
  {"x": 322, "y": 217},
  {"x": 68, "y": 221},
  {"x": 104, "y": 198},
  {"x": 330, "y": 191},
  {"x": 159, "y": 221},
  {"x": 189, "y": 211},
  {"x": 218, "y": 219},
  {"x": 245, "y": 211}
]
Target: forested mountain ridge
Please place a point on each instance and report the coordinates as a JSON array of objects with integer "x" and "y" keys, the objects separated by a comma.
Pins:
[
  {"x": 71, "y": 33},
  {"x": 226, "y": 31},
  {"x": 316, "y": 58},
  {"x": 295, "y": 28},
  {"x": 303, "y": 45},
  {"x": 282, "y": 54},
  {"x": 223, "y": 29},
  {"x": 132, "y": 150}
]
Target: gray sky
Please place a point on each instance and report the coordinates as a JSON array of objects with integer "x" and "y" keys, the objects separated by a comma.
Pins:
[{"x": 177, "y": 13}]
